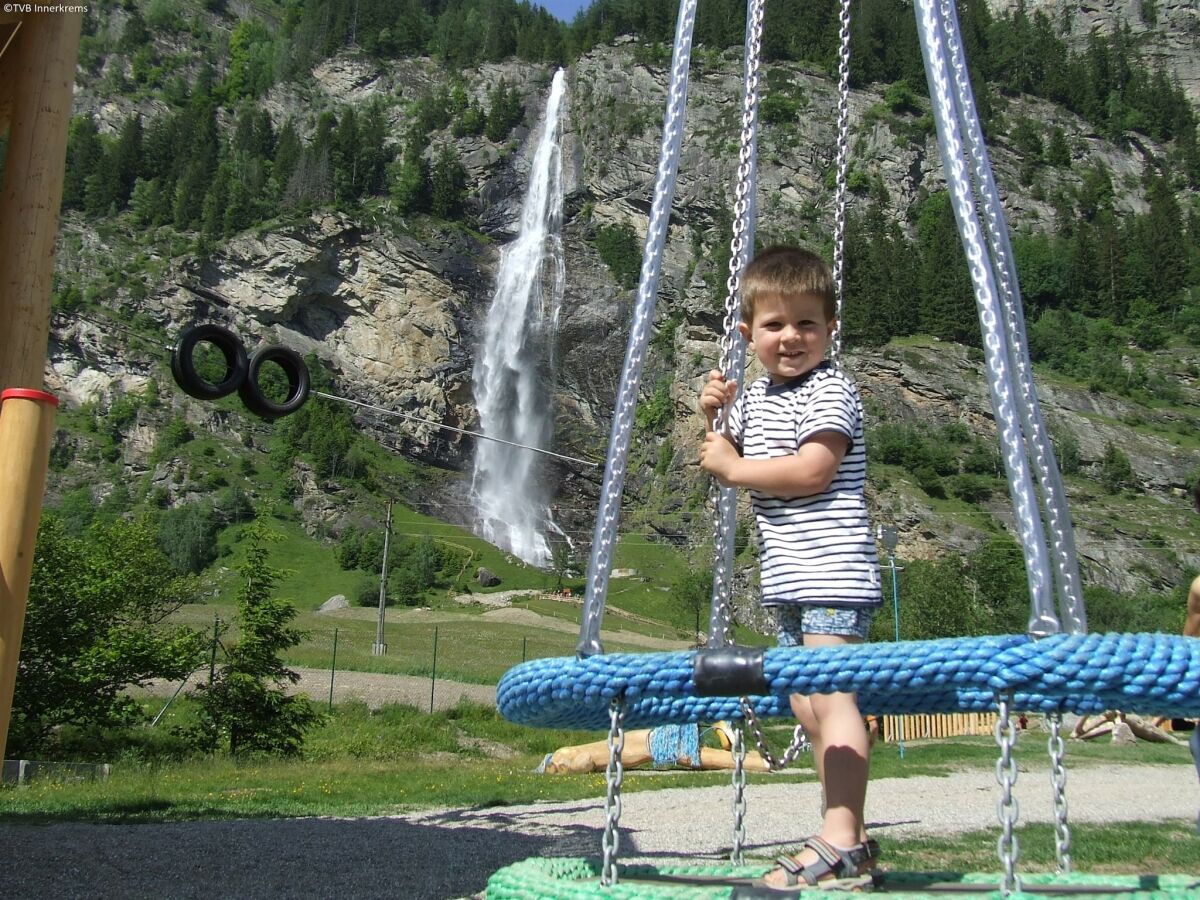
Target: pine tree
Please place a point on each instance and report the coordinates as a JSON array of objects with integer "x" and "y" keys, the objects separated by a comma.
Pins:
[
  {"x": 287, "y": 156},
  {"x": 84, "y": 153},
  {"x": 346, "y": 181},
  {"x": 126, "y": 158},
  {"x": 947, "y": 297},
  {"x": 448, "y": 183},
  {"x": 373, "y": 155},
  {"x": 245, "y": 708}
]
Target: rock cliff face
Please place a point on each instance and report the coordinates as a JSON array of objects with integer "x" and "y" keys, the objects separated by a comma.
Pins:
[
  {"x": 394, "y": 307},
  {"x": 1168, "y": 31}
]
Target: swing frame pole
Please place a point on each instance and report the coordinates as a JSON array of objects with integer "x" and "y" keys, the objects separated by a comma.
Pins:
[{"x": 37, "y": 75}]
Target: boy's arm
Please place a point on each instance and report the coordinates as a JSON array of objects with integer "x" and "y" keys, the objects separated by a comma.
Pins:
[{"x": 809, "y": 471}]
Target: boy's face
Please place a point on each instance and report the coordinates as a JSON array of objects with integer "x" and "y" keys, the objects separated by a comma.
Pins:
[{"x": 789, "y": 334}]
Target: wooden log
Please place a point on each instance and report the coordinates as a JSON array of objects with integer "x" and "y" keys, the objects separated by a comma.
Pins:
[{"x": 26, "y": 430}]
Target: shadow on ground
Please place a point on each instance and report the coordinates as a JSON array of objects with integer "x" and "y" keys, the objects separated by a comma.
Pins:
[{"x": 360, "y": 858}]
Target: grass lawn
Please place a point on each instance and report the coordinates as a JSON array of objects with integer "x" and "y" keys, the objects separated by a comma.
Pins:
[
  {"x": 1128, "y": 848},
  {"x": 360, "y": 762}
]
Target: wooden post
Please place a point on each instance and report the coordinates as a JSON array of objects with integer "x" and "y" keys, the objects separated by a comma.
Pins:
[
  {"x": 39, "y": 72},
  {"x": 41, "y": 62},
  {"x": 26, "y": 430}
]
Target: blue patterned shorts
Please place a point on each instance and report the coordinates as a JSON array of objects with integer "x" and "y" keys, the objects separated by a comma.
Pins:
[{"x": 797, "y": 621}]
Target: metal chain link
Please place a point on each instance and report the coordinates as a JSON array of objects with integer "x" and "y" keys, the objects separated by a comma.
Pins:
[
  {"x": 843, "y": 172},
  {"x": 613, "y": 775},
  {"x": 1027, "y": 517},
  {"x": 1008, "y": 846},
  {"x": 724, "y": 500},
  {"x": 1051, "y": 491},
  {"x": 1058, "y": 780},
  {"x": 739, "y": 796},
  {"x": 799, "y": 740},
  {"x": 742, "y": 185}
]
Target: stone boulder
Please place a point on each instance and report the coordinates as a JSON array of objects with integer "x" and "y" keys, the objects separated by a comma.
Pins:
[{"x": 337, "y": 601}]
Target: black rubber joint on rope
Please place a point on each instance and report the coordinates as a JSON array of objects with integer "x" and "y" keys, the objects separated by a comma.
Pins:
[
  {"x": 183, "y": 365},
  {"x": 729, "y": 672},
  {"x": 298, "y": 383}
]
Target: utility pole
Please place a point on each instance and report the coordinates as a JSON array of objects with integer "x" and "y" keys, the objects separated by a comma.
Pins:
[
  {"x": 890, "y": 538},
  {"x": 379, "y": 648}
]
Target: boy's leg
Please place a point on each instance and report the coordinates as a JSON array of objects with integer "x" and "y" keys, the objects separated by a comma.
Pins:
[
  {"x": 803, "y": 711},
  {"x": 841, "y": 749},
  {"x": 845, "y": 749}
]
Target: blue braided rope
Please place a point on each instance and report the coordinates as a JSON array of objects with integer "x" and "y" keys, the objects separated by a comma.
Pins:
[
  {"x": 1081, "y": 673},
  {"x": 669, "y": 744}
]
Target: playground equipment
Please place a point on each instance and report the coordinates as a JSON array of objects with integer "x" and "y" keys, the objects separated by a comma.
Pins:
[
  {"x": 1056, "y": 667},
  {"x": 37, "y": 74}
]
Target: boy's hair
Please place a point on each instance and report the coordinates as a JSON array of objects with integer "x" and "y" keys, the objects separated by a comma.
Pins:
[{"x": 787, "y": 270}]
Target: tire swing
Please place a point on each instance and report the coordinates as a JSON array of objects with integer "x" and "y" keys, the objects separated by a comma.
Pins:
[
  {"x": 1055, "y": 667},
  {"x": 242, "y": 373}
]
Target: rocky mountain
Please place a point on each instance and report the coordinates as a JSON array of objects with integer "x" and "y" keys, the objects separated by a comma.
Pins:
[
  {"x": 393, "y": 305},
  {"x": 1168, "y": 32}
]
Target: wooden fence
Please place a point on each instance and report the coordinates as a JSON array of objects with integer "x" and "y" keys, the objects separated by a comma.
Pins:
[{"x": 927, "y": 727}]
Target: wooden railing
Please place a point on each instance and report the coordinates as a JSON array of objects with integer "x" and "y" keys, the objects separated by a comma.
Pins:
[{"x": 928, "y": 727}]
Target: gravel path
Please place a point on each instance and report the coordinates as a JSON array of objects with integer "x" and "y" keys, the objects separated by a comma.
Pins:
[{"x": 449, "y": 853}]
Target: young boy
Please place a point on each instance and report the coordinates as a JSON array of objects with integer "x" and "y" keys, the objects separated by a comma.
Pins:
[{"x": 795, "y": 440}]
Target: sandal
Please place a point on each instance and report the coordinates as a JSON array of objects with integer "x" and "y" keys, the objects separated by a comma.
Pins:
[{"x": 833, "y": 869}]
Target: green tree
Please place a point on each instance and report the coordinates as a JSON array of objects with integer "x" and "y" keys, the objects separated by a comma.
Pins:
[
  {"x": 504, "y": 112},
  {"x": 96, "y": 625},
  {"x": 997, "y": 569},
  {"x": 1115, "y": 471},
  {"x": 187, "y": 536},
  {"x": 85, "y": 153},
  {"x": 447, "y": 183},
  {"x": 935, "y": 602},
  {"x": 251, "y": 60},
  {"x": 618, "y": 247},
  {"x": 693, "y": 589},
  {"x": 947, "y": 300},
  {"x": 245, "y": 709},
  {"x": 561, "y": 557}
]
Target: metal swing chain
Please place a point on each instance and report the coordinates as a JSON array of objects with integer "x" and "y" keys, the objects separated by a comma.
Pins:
[
  {"x": 1008, "y": 846},
  {"x": 732, "y": 351},
  {"x": 613, "y": 775},
  {"x": 798, "y": 744},
  {"x": 739, "y": 796},
  {"x": 1058, "y": 780},
  {"x": 742, "y": 185},
  {"x": 843, "y": 171}
]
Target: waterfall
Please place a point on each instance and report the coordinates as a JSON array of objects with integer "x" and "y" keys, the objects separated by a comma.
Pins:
[{"x": 514, "y": 367}]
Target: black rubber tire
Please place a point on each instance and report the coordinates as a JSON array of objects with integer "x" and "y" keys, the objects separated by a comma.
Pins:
[
  {"x": 183, "y": 366},
  {"x": 298, "y": 383}
]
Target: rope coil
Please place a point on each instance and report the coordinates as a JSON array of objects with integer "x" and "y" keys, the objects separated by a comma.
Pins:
[{"x": 1146, "y": 673}]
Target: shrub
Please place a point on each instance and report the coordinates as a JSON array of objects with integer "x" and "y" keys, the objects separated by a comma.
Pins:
[
  {"x": 929, "y": 481},
  {"x": 1115, "y": 471},
  {"x": 618, "y": 248},
  {"x": 970, "y": 488}
]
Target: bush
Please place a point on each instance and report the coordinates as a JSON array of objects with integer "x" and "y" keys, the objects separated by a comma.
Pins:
[
  {"x": 777, "y": 109},
  {"x": 187, "y": 535},
  {"x": 970, "y": 488},
  {"x": 929, "y": 481},
  {"x": 618, "y": 248},
  {"x": 1115, "y": 471}
]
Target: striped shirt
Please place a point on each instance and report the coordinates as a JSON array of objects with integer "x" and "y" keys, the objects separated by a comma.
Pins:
[{"x": 818, "y": 549}]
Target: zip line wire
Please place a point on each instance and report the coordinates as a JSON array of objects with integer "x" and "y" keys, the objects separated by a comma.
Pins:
[
  {"x": 390, "y": 412},
  {"x": 359, "y": 403}
]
